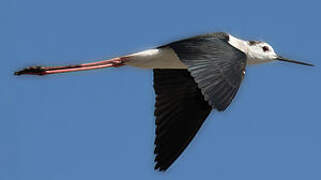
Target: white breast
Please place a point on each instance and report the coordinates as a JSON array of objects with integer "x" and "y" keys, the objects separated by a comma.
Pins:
[{"x": 160, "y": 58}]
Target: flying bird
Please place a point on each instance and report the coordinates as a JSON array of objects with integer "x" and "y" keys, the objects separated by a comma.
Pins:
[{"x": 192, "y": 77}]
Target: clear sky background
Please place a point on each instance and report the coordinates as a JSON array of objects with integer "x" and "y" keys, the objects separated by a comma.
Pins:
[{"x": 100, "y": 124}]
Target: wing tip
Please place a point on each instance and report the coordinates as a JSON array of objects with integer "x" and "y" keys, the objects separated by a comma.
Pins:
[{"x": 160, "y": 168}]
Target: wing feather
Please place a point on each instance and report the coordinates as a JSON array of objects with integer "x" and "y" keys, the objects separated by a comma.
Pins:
[
  {"x": 184, "y": 98},
  {"x": 180, "y": 110},
  {"x": 216, "y": 66}
]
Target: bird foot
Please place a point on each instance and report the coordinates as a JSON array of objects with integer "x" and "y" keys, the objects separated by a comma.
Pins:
[{"x": 35, "y": 70}]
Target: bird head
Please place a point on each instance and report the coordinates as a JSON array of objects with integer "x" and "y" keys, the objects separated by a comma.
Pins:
[{"x": 261, "y": 52}]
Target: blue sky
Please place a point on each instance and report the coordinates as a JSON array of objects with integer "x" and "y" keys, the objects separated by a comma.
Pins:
[{"x": 100, "y": 124}]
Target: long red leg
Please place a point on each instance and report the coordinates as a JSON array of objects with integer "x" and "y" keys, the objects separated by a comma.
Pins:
[{"x": 43, "y": 70}]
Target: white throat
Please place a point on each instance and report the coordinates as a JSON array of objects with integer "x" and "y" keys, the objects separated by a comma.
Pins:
[
  {"x": 243, "y": 46},
  {"x": 254, "y": 54}
]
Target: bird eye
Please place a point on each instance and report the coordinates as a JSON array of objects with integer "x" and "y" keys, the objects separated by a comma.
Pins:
[{"x": 265, "y": 48}]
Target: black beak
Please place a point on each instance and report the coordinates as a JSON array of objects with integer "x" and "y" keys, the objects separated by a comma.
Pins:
[{"x": 280, "y": 58}]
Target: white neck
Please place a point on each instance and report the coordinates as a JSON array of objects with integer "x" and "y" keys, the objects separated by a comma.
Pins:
[
  {"x": 243, "y": 46},
  {"x": 239, "y": 44}
]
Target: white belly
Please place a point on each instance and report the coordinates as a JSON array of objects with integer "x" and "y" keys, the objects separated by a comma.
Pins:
[{"x": 162, "y": 58}]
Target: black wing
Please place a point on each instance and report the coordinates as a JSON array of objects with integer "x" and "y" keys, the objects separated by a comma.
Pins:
[
  {"x": 217, "y": 67},
  {"x": 185, "y": 98},
  {"x": 180, "y": 110}
]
